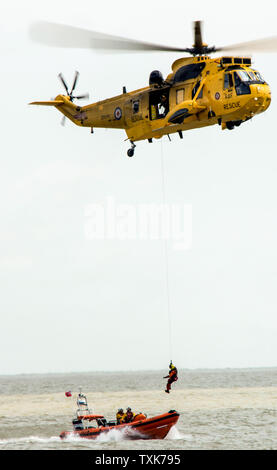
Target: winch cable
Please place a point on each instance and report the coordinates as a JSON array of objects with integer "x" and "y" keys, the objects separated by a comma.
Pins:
[{"x": 166, "y": 255}]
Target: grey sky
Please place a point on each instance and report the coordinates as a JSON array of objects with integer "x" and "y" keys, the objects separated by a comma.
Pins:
[{"x": 71, "y": 304}]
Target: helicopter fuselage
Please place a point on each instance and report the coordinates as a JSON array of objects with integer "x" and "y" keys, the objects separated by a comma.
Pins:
[{"x": 199, "y": 92}]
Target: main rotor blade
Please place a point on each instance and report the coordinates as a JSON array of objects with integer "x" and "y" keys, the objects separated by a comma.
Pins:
[
  {"x": 63, "y": 82},
  {"x": 258, "y": 45},
  {"x": 59, "y": 35},
  {"x": 74, "y": 82}
]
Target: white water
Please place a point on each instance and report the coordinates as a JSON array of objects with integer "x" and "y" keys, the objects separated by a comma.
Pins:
[
  {"x": 116, "y": 435},
  {"x": 175, "y": 434},
  {"x": 229, "y": 409}
]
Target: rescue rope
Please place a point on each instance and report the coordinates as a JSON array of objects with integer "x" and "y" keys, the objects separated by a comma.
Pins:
[{"x": 166, "y": 256}]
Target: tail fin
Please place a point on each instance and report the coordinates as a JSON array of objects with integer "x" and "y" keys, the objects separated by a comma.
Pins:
[{"x": 67, "y": 108}]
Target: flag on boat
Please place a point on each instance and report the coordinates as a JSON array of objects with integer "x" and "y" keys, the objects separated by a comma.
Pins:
[{"x": 68, "y": 394}]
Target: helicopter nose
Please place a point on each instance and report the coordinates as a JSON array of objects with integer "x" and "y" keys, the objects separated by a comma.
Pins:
[{"x": 262, "y": 98}]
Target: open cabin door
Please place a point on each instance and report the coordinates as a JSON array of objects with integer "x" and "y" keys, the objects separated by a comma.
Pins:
[{"x": 158, "y": 103}]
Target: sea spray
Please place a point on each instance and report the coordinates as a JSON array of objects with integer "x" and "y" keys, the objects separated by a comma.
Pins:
[
  {"x": 116, "y": 435},
  {"x": 175, "y": 434}
]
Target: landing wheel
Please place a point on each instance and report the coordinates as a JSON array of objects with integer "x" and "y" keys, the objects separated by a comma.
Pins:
[
  {"x": 130, "y": 152},
  {"x": 230, "y": 125}
]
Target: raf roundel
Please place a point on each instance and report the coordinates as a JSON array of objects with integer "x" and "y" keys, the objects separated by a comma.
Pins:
[
  {"x": 217, "y": 95},
  {"x": 117, "y": 113}
]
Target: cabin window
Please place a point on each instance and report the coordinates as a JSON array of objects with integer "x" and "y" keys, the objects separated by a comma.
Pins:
[
  {"x": 188, "y": 72},
  {"x": 228, "y": 81},
  {"x": 194, "y": 90},
  {"x": 180, "y": 95},
  {"x": 200, "y": 94},
  {"x": 135, "y": 106}
]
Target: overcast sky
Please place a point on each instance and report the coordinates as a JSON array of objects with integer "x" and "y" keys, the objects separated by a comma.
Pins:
[{"x": 69, "y": 303}]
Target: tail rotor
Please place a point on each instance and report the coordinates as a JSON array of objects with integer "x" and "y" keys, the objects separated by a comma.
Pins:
[{"x": 70, "y": 94}]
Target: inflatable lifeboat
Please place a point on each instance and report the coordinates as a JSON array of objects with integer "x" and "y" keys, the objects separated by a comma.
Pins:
[{"x": 90, "y": 426}]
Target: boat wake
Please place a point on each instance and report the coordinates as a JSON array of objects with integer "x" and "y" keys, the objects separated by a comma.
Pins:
[
  {"x": 113, "y": 435},
  {"x": 175, "y": 434},
  {"x": 116, "y": 435},
  {"x": 22, "y": 441}
]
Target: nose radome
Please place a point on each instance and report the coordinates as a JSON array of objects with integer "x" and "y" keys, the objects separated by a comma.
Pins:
[
  {"x": 267, "y": 96},
  {"x": 264, "y": 92},
  {"x": 262, "y": 97}
]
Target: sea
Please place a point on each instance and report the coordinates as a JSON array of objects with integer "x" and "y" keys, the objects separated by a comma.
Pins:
[{"x": 222, "y": 409}]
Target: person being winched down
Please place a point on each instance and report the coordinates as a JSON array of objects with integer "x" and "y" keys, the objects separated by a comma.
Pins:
[{"x": 172, "y": 377}]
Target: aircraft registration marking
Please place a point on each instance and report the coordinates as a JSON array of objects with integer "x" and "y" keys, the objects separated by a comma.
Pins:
[{"x": 232, "y": 105}]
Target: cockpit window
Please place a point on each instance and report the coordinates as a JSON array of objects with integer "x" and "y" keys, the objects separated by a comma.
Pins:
[
  {"x": 259, "y": 77},
  {"x": 255, "y": 76},
  {"x": 243, "y": 75},
  {"x": 241, "y": 83},
  {"x": 252, "y": 75}
]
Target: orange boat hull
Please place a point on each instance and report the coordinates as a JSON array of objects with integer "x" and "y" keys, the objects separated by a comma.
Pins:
[{"x": 149, "y": 428}]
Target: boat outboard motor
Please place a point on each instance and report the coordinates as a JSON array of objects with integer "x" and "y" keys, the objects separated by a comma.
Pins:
[
  {"x": 156, "y": 78},
  {"x": 77, "y": 424}
]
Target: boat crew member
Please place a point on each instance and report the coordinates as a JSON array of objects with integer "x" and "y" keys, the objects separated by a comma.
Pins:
[
  {"x": 120, "y": 415},
  {"x": 129, "y": 416},
  {"x": 172, "y": 376}
]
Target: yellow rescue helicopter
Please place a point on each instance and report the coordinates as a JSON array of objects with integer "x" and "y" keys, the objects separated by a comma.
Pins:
[{"x": 200, "y": 91}]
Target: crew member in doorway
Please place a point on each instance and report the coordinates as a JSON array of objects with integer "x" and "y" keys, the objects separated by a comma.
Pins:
[
  {"x": 172, "y": 377},
  {"x": 120, "y": 415},
  {"x": 163, "y": 105}
]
